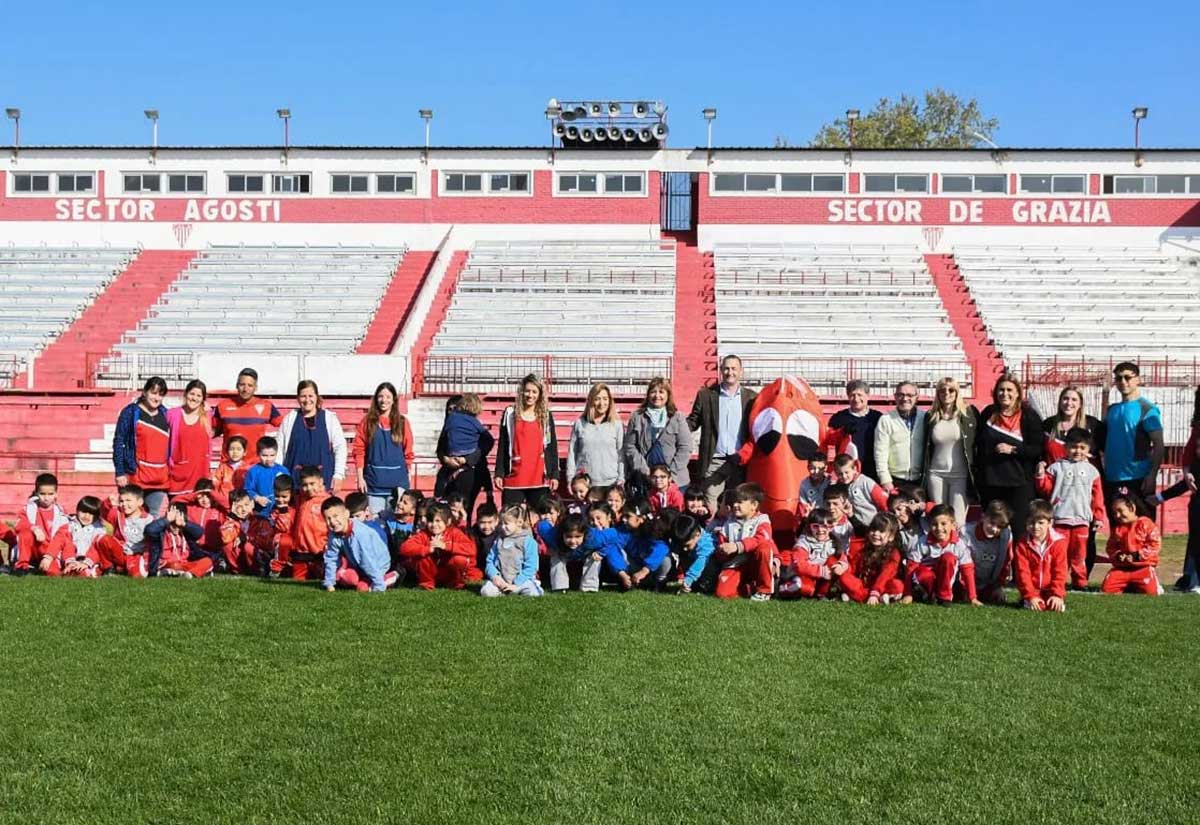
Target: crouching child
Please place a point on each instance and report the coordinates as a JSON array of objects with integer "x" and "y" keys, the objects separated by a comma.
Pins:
[
  {"x": 512, "y": 561},
  {"x": 356, "y": 556}
]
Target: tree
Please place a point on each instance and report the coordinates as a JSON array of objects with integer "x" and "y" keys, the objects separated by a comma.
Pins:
[{"x": 945, "y": 121}]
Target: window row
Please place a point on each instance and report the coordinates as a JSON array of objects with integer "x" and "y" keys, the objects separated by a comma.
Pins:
[
  {"x": 1151, "y": 185},
  {"x": 84, "y": 183},
  {"x": 904, "y": 183}
]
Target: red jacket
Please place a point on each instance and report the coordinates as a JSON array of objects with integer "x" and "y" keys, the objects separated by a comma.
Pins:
[
  {"x": 1141, "y": 538},
  {"x": 228, "y": 478},
  {"x": 309, "y": 532},
  {"x": 875, "y": 573},
  {"x": 209, "y": 518},
  {"x": 458, "y": 543},
  {"x": 266, "y": 532},
  {"x": 53, "y": 521},
  {"x": 670, "y": 497},
  {"x": 1041, "y": 566}
]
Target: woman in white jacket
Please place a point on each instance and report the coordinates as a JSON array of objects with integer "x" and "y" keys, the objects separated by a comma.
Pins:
[
  {"x": 312, "y": 435},
  {"x": 596, "y": 441}
]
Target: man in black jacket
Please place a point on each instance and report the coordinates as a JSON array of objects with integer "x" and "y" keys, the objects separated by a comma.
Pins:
[{"x": 722, "y": 414}]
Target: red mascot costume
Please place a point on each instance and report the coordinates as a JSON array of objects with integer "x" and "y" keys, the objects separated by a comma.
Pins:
[{"x": 786, "y": 429}]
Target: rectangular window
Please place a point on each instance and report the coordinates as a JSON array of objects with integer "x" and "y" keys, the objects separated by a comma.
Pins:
[
  {"x": 246, "y": 183},
  {"x": 185, "y": 182},
  {"x": 508, "y": 182},
  {"x": 355, "y": 184},
  {"x": 578, "y": 183},
  {"x": 729, "y": 183},
  {"x": 795, "y": 183},
  {"x": 976, "y": 184},
  {"x": 761, "y": 183},
  {"x": 142, "y": 182},
  {"x": 1151, "y": 184},
  {"x": 463, "y": 182},
  {"x": 623, "y": 183},
  {"x": 77, "y": 182},
  {"x": 297, "y": 183},
  {"x": 1053, "y": 184},
  {"x": 879, "y": 183},
  {"x": 829, "y": 183},
  {"x": 395, "y": 184},
  {"x": 29, "y": 182}
]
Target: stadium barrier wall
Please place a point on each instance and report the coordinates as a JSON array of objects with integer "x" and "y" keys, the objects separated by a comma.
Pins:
[{"x": 277, "y": 374}]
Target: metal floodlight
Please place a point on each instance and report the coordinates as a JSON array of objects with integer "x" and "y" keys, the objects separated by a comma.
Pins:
[
  {"x": 151, "y": 114},
  {"x": 659, "y": 109},
  {"x": 852, "y": 115},
  {"x": 710, "y": 114},
  {"x": 285, "y": 115},
  {"x": 13, "y": 114},
  {"x": 1139, "y": 114}
]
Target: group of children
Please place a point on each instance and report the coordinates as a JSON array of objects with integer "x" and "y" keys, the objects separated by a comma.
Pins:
[{"x": 852, "y": 541}]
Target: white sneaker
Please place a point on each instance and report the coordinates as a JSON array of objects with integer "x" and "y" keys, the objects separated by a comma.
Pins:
[
  {"x": 184, "y": 574},
  {"x": 760, "y": 597},
  {"x": 888, "y": 598},
  {"x": 1195, "y": 590}
]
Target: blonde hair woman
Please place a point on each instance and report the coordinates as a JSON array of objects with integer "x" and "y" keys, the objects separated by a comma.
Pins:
[
  {"x": 527, "y": 459},
  {"x": 950, "y": 429},
  {"x": 596, "y": 440},
  {"x": 657, "y": 434}
]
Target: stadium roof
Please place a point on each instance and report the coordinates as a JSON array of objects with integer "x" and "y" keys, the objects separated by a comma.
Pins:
[{"x": 543, "y": 147}]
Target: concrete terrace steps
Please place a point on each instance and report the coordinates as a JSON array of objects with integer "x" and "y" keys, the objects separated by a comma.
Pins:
[
  {"x": 64, "y": 364},
  {"x": 396, "y": 304},
  {"x": 963, "y": 313},
  {"x": 695, "y": 334}
]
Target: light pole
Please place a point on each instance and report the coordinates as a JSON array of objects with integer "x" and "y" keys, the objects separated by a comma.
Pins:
[
  {"x": 710, "y": 114},
  {"x": 553, "y": 113},
  {"x": 152, "y": 116},
  {"x": 851, "y": 117},
  {"x": 1139, "y": 114},
  {"x": 285, "y": 115},
  {"x": 14, "y": 115},
  {"x": 985, "y": 139},
  {"x": 426, "y": 115}
]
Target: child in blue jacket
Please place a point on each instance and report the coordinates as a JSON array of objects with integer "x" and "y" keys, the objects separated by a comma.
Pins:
[
  {"x": 512, "y": 561},
  {"x": 695, "y": 547},
  {"x": 367, "y": 561}
]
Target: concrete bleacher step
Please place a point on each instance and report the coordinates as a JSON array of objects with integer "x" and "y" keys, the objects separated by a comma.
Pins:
[
  {"x": 393, "y": 310},
  {"x": 64, "y": 364}
]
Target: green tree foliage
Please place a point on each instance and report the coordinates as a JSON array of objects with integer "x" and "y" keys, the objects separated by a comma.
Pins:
[{"x": 943, "y": 121}]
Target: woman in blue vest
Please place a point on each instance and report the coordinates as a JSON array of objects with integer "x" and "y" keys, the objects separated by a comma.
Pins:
[
  {"x": 382, "y": 449},
  {"x": 312, "y": 435}
]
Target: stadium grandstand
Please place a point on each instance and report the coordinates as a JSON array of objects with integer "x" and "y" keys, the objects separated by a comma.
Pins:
[{"x": 451, "y": 269}]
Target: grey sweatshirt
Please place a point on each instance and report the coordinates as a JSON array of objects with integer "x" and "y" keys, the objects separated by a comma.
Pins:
[{"x": 596, "y": 450}]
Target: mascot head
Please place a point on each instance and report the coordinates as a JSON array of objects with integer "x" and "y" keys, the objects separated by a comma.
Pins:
[{"x": 786, "y": 427}]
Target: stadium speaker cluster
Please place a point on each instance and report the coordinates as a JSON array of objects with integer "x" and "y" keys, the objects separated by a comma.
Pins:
[{"x": 616, "y": 124}]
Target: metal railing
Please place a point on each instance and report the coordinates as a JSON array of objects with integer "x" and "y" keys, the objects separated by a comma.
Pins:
[
  {"x": 1052, "y": 370},
  {"x": 564, "y": 375},
  {"x": 573, "y": 276},
  {"x": 128, "y": 371},
  {"x": 736, "y": 277},
  {"x": 828, "y": 376}
]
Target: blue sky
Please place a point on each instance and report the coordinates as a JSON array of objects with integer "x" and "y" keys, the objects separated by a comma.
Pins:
[{"x": 1055, "y": 74}]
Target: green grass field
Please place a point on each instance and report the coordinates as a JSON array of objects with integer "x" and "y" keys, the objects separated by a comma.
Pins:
[{"x": 247, "y": 701}]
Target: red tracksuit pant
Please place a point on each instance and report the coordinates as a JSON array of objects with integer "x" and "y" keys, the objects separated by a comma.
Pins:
[
  {"x": 197, "y": 567},
  {"x": 858, "y": 591},
  {"x": 1142, "y": 580},
  {"x": 430, "y": 573},
  {"x": 804, "y": 587},
  {"x": 348, "y": 577},
  {"x": 1077, "y": 541},
  {"x": 749, "y": 573},
  {"x": 306, "y": 566},
  {"x": 30, "y": 551},
  {"x": 240, "y": 558},
  {"x": 936, "y": 579},
  {"x": 113, "y": 557}
]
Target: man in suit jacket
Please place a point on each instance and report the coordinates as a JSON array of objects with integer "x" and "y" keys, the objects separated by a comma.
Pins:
[{"x": 722, "y": 414}]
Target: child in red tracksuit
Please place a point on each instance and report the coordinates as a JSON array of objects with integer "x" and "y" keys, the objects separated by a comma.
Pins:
[
  {"x": 309, "y": 531},
  {"x": 207, "y": 508},
  {"x": 271, "y": 534},
  {"x": 1133, "y": 549},
  {"x": 866, "y": 497},
  {"x": 125, "y": 550},
  {"x": 439, "y": 554},
  {"x": 746, "y": 550},
  {"x": 1073, "y": 488},
  {"x": 664, "y": 493},
  {"x": 1040, "y": 559},
  {"x": 82, "y": 557},
  {"x": 939, "y": 561},
  {"x": 814, "y": 562},
  {"x": 237, "y": 548},
  {"x": 42, "y": 533},
  {"x": 874, "y": 576}
]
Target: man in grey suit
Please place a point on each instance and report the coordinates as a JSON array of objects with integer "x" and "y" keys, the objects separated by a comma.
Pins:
[{"x": 722, "y": 414}]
